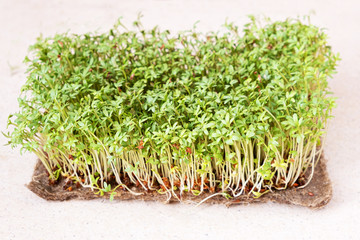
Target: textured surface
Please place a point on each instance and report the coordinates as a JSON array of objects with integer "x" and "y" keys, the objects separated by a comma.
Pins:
[
  {"x": 315, "y": 195},
  {"x": 23, "y": 215}
]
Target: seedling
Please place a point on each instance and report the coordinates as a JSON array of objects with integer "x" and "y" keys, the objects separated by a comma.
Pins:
[{"x": 228, "y": 113}]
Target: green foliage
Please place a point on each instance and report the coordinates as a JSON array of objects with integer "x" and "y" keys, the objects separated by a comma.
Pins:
[{"x": 190, "y": 111}]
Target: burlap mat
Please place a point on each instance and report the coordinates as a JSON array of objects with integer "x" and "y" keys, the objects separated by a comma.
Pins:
[{"x": 315, "y": 195}]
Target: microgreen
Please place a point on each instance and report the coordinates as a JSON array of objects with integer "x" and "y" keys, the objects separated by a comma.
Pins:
[{"x": 230, "y": 113}]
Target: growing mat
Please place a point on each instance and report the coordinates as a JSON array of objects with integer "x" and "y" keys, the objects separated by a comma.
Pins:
[{"x": 229, "y": 117}]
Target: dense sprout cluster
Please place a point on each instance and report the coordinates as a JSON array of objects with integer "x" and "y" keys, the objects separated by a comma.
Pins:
[{"x": 229, "y": 113}]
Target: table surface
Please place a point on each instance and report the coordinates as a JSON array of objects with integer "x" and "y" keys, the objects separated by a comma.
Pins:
[{"x": 23, "y": 215}]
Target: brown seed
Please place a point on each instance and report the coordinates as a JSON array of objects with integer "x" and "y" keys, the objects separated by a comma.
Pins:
[
  {"x": 68, "y": 182},
  {"x": 166, "y": 182},
  {"x": 310, "y": 194},
  {"x": 177, "y": 183},
  {"x": 52, "y": 182},
  {"x": 188, "y": 150}
]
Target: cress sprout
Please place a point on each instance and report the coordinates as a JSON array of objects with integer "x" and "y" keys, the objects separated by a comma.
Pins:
[{"x": 230, "y": 113}]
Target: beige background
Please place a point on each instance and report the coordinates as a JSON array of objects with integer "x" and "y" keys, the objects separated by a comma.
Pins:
[{"x": 25, "y": 216}]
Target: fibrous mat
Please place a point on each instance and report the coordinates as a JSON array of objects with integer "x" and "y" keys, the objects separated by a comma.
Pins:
[{"x": 315, "y": 195}]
